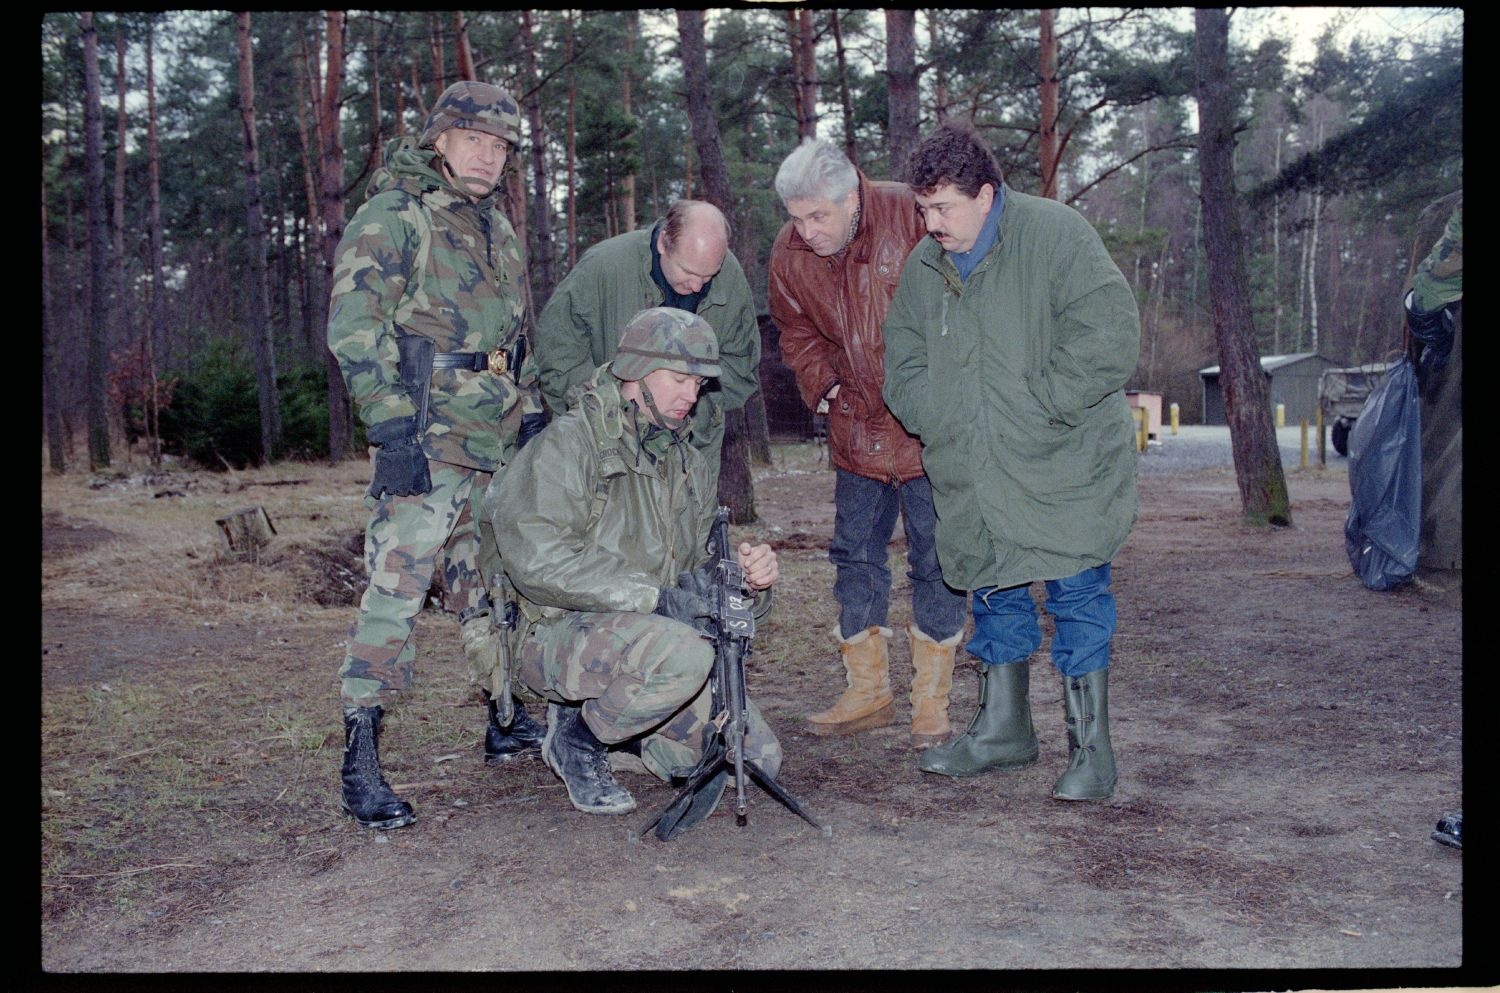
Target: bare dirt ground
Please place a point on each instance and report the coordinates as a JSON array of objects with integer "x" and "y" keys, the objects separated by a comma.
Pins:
[{"x": 1286, "y": 739}]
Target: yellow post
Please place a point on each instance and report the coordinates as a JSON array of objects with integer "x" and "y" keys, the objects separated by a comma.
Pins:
[
  {"x": 1303, "y": 463},
  {"x": 1174, "y": 418},
  {"x": 1322, "y": 439},
  {"x": 1280, "y": 415},
  {"x": 1140, "y": 427}
]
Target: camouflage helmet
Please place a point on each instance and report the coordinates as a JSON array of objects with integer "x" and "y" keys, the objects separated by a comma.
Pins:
[
  {"x": 666, "y": 338},
  {"x": 477, "y": 107}
]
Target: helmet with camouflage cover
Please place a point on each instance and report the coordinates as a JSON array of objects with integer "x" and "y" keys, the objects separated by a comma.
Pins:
[
  {"x": 666, "y": 338},
  {"x": 477, "y": 107}
]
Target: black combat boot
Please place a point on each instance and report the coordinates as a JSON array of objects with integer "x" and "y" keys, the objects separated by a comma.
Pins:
[
  {"x": 368, "y": 798},
  {"x": 1450, "y": 831},
  {"x": 522, "y": 739},
  {"x": 581, "y": 761}
]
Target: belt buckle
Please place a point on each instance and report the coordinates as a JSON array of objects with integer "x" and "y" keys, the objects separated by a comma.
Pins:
[{"x": 499, "y": 360}]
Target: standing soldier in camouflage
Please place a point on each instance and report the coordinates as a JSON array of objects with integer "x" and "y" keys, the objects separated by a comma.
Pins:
[
  {"x": 684, "y": 262},
  {"x": 427, "y": 322},
  {"x": 1432, "y": 307},
  {"x": 602, "y": 526}
]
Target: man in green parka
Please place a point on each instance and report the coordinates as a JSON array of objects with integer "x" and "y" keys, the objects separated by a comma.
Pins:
[
  {"x": 1007, "y": 348},
  {"x": 601, "y": 526},
  {"x": 427, "y": 321},
  {"x": 683, "y": 261}
]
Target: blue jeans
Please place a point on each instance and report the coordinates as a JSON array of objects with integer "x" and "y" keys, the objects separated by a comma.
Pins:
[
  {"x": 864, "y": 519},
  {"x": 1006, "y": 628}
]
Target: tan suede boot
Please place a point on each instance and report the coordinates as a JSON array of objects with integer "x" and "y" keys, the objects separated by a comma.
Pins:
[
  {"x": 931, "y": 682},
  {"x": 868, "y": 702}
]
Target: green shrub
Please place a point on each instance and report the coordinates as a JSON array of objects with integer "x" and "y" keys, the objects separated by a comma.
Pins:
[
  {"x": 304, "y": 411},
  {"x": 214, "y": 416}
]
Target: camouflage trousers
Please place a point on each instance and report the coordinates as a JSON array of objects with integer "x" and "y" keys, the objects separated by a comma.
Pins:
[
  {"x": 408, "y": 539},
  {"x": 637, "y": 675}
]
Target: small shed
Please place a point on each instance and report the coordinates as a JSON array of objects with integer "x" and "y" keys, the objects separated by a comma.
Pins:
[
  {"x": 1151, "y": 404},
  {"x": 1292, "y": 381}
]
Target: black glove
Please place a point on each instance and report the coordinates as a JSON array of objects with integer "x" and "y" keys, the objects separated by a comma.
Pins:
[
  {"x": 687, "y": 607},
  {"x": 702, "y": 581},
  {"x": 531, "y": 426},
  {"x": 400, "y": 463},
  {"x": 1431, "y": 327}
]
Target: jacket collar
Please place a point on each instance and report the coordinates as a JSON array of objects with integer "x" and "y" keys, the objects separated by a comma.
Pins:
[
  {"x": 715, "y": 293},
  {"x": 617, "y": 421},
  {"x": 930, "y": 253},
  {"x": 416, "y": 170}
]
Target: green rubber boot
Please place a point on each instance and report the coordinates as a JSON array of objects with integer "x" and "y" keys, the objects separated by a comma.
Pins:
[
  {"x": 1091, "y": 759},
  {"x": 1000, "y": 736}
]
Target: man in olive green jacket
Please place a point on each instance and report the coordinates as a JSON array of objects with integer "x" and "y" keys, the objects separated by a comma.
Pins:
[
  {"x": 683, "y": 261},
  {"x": 1007, "y": 348}
]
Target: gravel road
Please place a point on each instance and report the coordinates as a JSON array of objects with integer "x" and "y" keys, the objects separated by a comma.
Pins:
[{"x": 1198, "y": 446}]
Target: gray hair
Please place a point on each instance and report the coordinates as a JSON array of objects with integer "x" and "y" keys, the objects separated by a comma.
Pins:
[{"x": 816, "y": 170}]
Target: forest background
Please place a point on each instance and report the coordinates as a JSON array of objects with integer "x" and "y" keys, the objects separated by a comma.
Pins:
[{"x": 198, "y": 168}]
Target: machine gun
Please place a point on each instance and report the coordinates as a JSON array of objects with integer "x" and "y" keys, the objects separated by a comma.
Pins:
[{"x": 733, "y": 625}]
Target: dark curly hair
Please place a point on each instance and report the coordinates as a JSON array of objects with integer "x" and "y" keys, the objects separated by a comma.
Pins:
[{"x": 953, "y": 154}]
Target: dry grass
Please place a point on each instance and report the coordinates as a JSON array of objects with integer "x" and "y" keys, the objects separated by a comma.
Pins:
[
  {"x": 239, "y": 737},
  {"x": 158, "y": 549}
]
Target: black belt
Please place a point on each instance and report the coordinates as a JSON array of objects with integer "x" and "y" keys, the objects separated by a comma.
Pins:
[{"x": 495, "y": 361}]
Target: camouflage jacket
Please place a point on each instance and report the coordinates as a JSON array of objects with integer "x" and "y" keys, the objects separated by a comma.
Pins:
[
  {"x": 420, "y": 258},
  {"x": 580, "y": 326},
  {"x": 1439, "y": 279},
  {"x": 587, "y": 519}
]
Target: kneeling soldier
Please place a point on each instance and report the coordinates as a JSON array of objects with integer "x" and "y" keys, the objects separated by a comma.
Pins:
[{"x": 600, "y": 523}]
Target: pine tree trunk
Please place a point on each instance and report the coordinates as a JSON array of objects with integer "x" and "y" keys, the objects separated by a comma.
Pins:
[
  {"x": 939, "y": 77},
  {"x": 1048, "y": 143},
  {"x": 901, "y": 70},
  {"x": 129, "y": 391},
  {"x": 1278, "y": 309},
  {"x": 310, "y": 269},
  {"x": 156, "y": 321},
  {"x": 804, "y": 71},
  {"x": 735, "y": 489},
  {"x": 758, "y": 430},
  {"x": 572, "y": 149},
  {"x": 75, "y": 308},
  {"x": 701, "y": 117},
  {"x": 542, "y": 280},
  {"x": 98, "y": 250},
  {"x": 627, "y": 183},
  {"x": 262, "y": 345},
  {"x": 331, "y": 171},
  {"x": 1257, "y": 459},
  {"x": 846, "y": 104},
  {"x": 435, "y": 43},
  {"x": 51, "y": 400},
  {"x": 465, "y": 55}
]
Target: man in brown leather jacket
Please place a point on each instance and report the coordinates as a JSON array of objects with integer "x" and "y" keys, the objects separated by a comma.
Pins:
[{"x": 834, "y": 269}]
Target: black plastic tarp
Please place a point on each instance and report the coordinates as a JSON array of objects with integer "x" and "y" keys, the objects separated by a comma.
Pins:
[{"x": 1385, "y": 482}]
